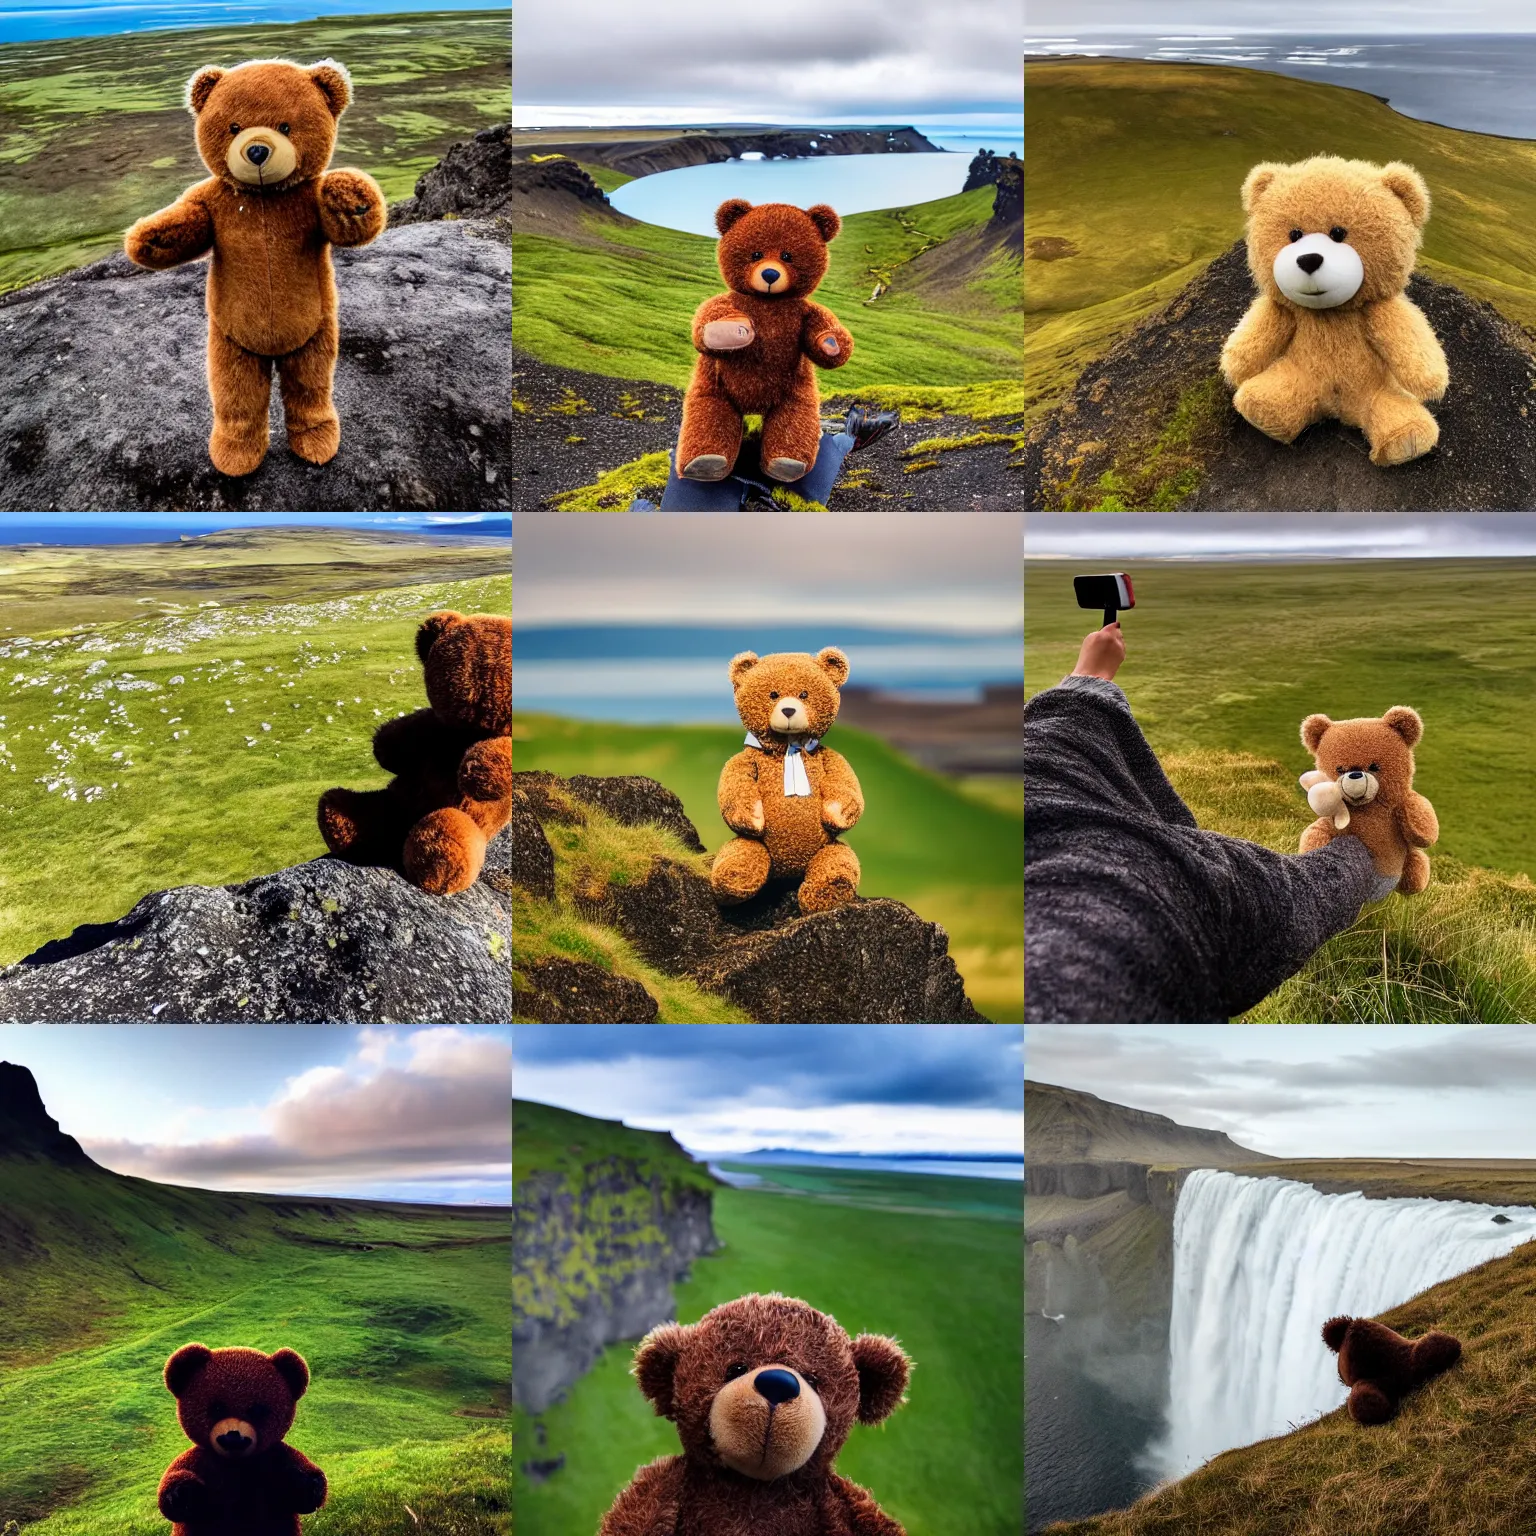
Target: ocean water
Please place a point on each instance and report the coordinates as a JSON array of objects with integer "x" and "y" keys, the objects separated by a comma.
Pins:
[
  {"x": 1474, "y": 81},
  {"x": 82, "y": 528}
]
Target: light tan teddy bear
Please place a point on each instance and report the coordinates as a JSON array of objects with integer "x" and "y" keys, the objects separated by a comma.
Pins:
[{"x": 1331, "y": 245}]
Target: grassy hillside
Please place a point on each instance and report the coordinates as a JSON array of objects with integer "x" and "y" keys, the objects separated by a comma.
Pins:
[
  {"x": 190, "y": 743},
  {"x": 1487, "y": 1181},
  {"x": 1066, "y": 1125},
  {"x": 1224, "y": 663},
  {"x": 399, "y": 1310},
  {"x": 1453, "y": 1463},
  {"x": 954, "y": 860},
  {"x": 94, "y": 133},
  {"x": 940, "y": 1274},
  {"x": 1134, "y": 170},
  {"x": 547, "y": 1139}
]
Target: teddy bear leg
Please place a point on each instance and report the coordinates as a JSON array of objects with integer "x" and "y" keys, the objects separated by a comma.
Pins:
[
  {"x": 1318, "y": 835},
  {"x": 1368, "y": 1404},
  {"x": 1281, "y": 402},
  {"x": 240, "y": 386},
  {"x": 1415, "y": 873},
  {"x": 792, "y": 435},
  {"x": 314, "y": 429},
  {"x": 444, "y": 852},
  {"x": 740, "y": 870},
  {"x": 831, "y": 878},
  {"x": 711, "y": 436},
  {"x": 1398, "y": 428},
  {"x": 362, "y": 827}
]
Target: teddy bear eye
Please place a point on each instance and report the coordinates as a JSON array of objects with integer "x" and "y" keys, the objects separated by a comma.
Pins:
[
  {"x": 234, "y": 127},
  {"x": 1340, "y": 769},
  {"x": 217, "y": 1411},
  {"x": 257, "y": 1413},
  {"x": 1338, "y": 233},
  {"x": 1295, "y": 234},
  {"x": 1375, "y": 768},
  {"x": 283, "y": 128},
  {"x": 773, "y": 695},
  {"x": 738, "y": 1369},
  {"x": 813, "y": 1382},
  {"x": 805, "y": 695},
  {"x": 785, "y": 256}
]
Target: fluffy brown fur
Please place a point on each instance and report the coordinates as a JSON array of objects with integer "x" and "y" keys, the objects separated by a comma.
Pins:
[
  {"x": 783, "y": 699},
  {"x": 754, "y": 1459},
  {"x": 1369, "y": 361},
  {"x": 1397, "y": 823},
  {"x": 238, "y": 1478},
  {"x": 1381, "y": 1367},
  {"x": 452, "y": 790},
  {"x": 269, "y": 213},
  {"x": 757, "y": 343}
]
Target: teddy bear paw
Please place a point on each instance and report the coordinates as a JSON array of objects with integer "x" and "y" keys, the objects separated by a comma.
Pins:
[
  {"x": 787, "y": 470},
  {"x": 317, "y": 444},
  {"x": 729, "y": 335},
  {"x": 236, "y": 456},
  {"x": 1410, "y": 441},
  {"x": 706, "y": 466}
]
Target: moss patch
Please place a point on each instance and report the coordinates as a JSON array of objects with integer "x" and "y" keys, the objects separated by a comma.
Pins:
[{"x": 615, "y": 490}]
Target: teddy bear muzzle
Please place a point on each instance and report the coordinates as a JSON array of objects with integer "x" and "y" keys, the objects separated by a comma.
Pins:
[
  {"x": 1358, "y": 786},
  {"x": 767, "y": 1423},
  {"x": 233, "y": 1438},
  {"x": 261, "y": 157},
  {"x": 769, "y": 276},
  {"x": 1318, "y": 271},
  {"x": 790, "y": 717}
]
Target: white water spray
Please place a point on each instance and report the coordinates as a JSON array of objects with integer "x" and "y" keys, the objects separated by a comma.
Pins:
[{"x": 1259, "y": 1265}]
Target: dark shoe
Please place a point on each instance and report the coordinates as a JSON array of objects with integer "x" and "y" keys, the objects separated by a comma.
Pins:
[{"x": 869, "y": 426}]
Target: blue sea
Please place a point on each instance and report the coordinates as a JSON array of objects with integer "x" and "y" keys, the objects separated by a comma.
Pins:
[
  {"x": 82, "y": 528},
  {"x": 955, "y": 1168}
]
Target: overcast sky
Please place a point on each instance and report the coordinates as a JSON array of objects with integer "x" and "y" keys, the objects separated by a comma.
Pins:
[
  {"x": 1169, "y": 17},
  {"x": 1284, "y": 535},
  {"x": 816, "y": 1087},
  {"x": 392, "y": 1114},
  {"x": 958, "y": 571},
  {"x": 793, "y": 60},
  {"x": 1328, "y": 1090}
]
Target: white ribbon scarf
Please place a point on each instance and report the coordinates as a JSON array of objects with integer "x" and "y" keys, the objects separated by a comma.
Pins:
[{"x": 796, "y": 784}]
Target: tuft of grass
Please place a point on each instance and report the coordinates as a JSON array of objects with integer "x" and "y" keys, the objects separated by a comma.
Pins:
[{"x": 615, "y": 489}]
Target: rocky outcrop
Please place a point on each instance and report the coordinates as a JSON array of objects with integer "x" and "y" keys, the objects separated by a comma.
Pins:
[
  {"x": 26, "y": 1127},
  {"x": 1066, "y": 1125},
  {"x": 873, "y": 961},
  {"x": 1008, "y": 205},
  {"x": 983, "y": 171},
  {"x": 473, "y": 180},
  {"x": 320, "y": 943}
]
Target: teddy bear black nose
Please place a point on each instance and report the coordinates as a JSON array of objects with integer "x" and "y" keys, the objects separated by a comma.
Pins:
[
  {"x": 789, "y": 710},
  {"x": 257, "y": 153},
  {"x": 1354, "y": 773},
  {"x": 772, "y": 274},
  {"x": 776, "y": 1386},
  {"x": 1310, "y": 262},
  {"x": 233, "y": 1440}
]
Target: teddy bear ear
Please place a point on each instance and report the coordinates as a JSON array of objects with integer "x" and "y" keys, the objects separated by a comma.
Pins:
[
  {"x": 1313, "y": 729},
  {"x": 1405, "y": 183},
  {"x": 834, "y": 664},
  {"x": 730, "y": 211},
  {"x": 1257, "y": 183},
  {"x": 200, "y": 88},
  {"x": 334, "y": 82},
  {"x": 433, "y": 628},
  {"x": 741, "y": 665},
  {"x": 884, "y": 1371},
  {"x": 826, "y": 221},
  {"x": 1405, "y": 722},
  {"x": 294, "y": 1369},
  {"x": 184, "y": 1365},
  {"x": 656, "y": 1364},
  {"x": 1334, "y": 1331}
]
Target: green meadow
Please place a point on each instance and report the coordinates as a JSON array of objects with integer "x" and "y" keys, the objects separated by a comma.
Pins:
[
  {"x": 933, "y": 1261},
  {"x": 1224, "y": 662},
  {"x": 401, "y": 1312},
  {"x": 94, "y": 132},
  {"x": 1134, "y": 170},
  {"x": 169, "y": 714},
  {"x": 953, "y": 857}
]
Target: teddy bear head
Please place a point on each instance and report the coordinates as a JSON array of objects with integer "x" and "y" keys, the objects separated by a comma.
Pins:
[
  {"x": 1369, "y": 759},
  {"x": 269, "y": 124},
  {"x": 468, "y": 665},
  {"x": 237, "y": 1402},
  {"x": 1327, "y": 233},
  {"x": 767, "y": 1386},
  {"x": 774, "y": 249},
  {"x": 790, "y": 693}
]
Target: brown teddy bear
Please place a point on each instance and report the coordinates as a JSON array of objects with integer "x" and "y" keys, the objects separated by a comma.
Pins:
[
  {"x": 1381, "y": 1367},
  {"x": 1331, "y": 245},
  {"x": 235, "y": 1406},
  {"x": 1363, "y": 787},
  {"x": 269, "y": 213},
  {"x": 785, "y": 796},
  {"x": 452, "y": 790},
  {"x": 757, "y": 343},
  {"x": 764, "y": 1392}
]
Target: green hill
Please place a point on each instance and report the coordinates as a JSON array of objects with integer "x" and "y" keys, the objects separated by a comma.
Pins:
[
  {"x": 548, "y": 1139},
  {"x": 1134, "y": 169}
]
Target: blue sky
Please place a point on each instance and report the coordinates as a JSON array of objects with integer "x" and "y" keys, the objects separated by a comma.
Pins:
[
  {"x": 819, "y": 1087},
  {"x": 391, "y": 1114}
]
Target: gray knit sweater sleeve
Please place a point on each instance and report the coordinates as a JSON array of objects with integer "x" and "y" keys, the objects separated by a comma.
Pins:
[{"x": 1132, "y": 913}]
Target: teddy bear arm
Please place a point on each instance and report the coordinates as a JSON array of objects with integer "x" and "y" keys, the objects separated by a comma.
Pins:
[
  {"x": 298, "y": 1482},
  {"x": 857, "y": 1513},
  {"x": 1318, "y": 835},
  {"x": 409, "y": 741},
  {"x": 183, "y": 1495},
  {"x": 739, "y": 797},
  {"x": 819, "y": 328},
  {"x": 729, "y": 329},
  {"x": 1417, "y": 821},
  {"x": 649, "y": 1506},
  {"x": 175, "y": 234},
  {"x": 352, "y": 209},
  {"x": 840, "y": 788},
  {"x": 1402, "y": 337},
  {"x": 1258, "y": 340},
  {"x": 486, "y": 771}
]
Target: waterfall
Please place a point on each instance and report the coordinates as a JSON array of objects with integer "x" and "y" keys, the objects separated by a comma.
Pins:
[{"x": 1259, "y": 1265}]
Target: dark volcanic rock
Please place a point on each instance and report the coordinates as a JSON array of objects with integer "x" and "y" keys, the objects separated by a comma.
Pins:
[
  {"x": 533, "y": 860},
  {"x": 637, "y": 801},
  {"x": 321, "y": 943},
  {"x": 473, "y": 179},
  {"x": 983, "y": 171},
  {"x": 1151, "y": 425},
  {"x": 1008, "y": 205},
  {"x": 26, "y": 1127},
  {"x": 559, "y": 991},
  {"x": 104, "y": 406}
]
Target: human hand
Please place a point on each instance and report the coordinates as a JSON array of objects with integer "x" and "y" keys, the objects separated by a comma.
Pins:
[{"x": 1101, "y": 653}]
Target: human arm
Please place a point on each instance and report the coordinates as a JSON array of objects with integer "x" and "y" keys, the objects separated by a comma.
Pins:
[
  {"x": 298, "y": 1483},
  {"x": 1417, "y": 821},
  {"x": 175, "y": 234},
  {"x": 720, "y": 326},
  {"x": 739, "y": 798},
  {"x": 1101, "y": 653},
  {"x": 842, "y": 801},
  {"x": 649, "y": 1506},
  {"x": 1258, "y": 340},
  {"x": 823, "y": 338},
  {"x": 1402, "y": 338},
  {"x": 352, "y": 210},
  {"x": 486, "y": 771}
]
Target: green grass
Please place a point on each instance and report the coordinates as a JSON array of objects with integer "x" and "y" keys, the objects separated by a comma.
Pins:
[
  {"x": 1223, "y": 664},
  {"x": 94, "y": 133},
  {"x": 552, "y": 1140},
  {"x": 400, "y": 1311},
  {"x": 1486, "y": 1181},
  {"x": 954, "y": 860},
  {"x": 942, "y": 1274},
  {"x": 153, "y": 782},
  {"x": 1134, "y": 170}
]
